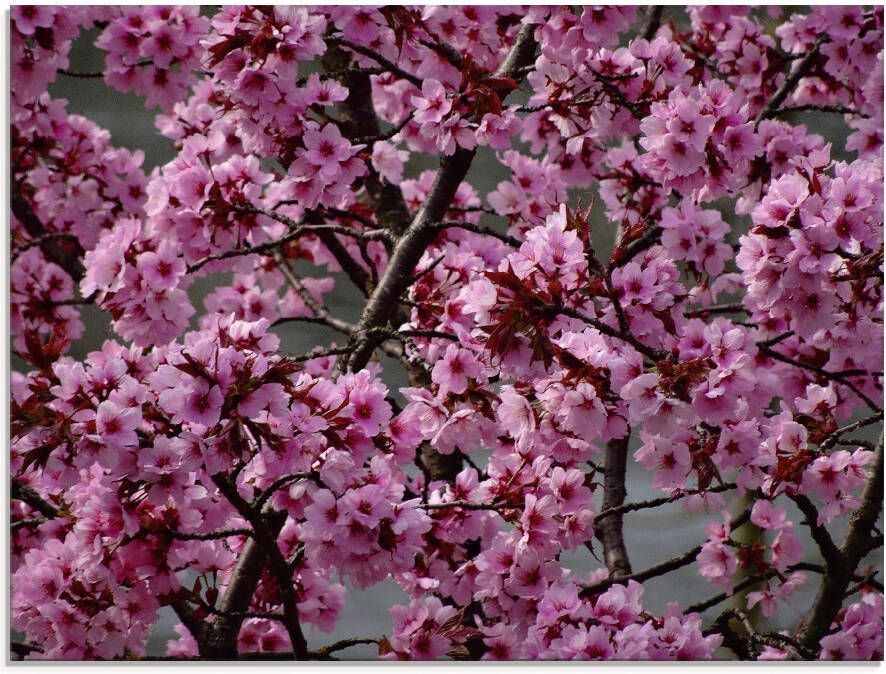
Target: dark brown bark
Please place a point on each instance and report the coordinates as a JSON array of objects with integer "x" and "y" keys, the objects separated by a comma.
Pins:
[
  {"x": 653, "y": 22},
  {"x": 661, "y": 568},
  {"x": 840, "y": 564},
  {"x": 220, "y": 642},
  {"x": 54, "y": 250},
  {"x": 422, "y": 231},
  {"x": 360, "y": 121},
  {"x": 610, "y": 528}
]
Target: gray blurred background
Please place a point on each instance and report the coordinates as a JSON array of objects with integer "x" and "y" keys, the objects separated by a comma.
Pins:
[{"x": 651, "y": 535}]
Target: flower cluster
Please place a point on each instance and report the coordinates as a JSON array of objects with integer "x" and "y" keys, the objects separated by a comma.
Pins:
[
  {"x": 700, "y": 141},
  {"x": 154, "y": 51},
  {"x": 514, "y": 360}
]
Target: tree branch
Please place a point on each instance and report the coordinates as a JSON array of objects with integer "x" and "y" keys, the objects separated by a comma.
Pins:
[
  {"x": 265, "y": 535},
  {"x": 755, "y": 638},
  {"x": 840, "y": 378},
  {"x": 661, "y": 568},
  {"x": 652, "y": 22},
  {"x": 609, "y": 530},
  {"x": 210, "y": 536},
  {"x": 464, "y": 505},
  {"x": 662, "y": 500},
  {"x": 361, "y": 125},
  {"x": 378, "y": 58},
  {"x": 50, "y": 246},
  {"x": 856, "y": 545},
  {"x": 802, "y": 69},
  {"x": 485, "y": 231},
  {"x": 421, "y": 232},
  {"x": 829, "y": 551},
  {"x": 832, "y": 439},
  {"x": 651, "y": 353},
  {"x": 27, "y": 494}
]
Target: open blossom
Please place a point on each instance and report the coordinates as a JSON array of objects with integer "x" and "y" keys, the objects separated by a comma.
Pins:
[
  {"x": 388, "y": 161},
  {"x": 363, "y": 327},
  {"x": 455, "y": 369},
  {"x": 432, "y": 106}
]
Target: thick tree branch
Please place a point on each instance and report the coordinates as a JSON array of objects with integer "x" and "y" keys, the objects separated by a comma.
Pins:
[
  {"x": 354, "y": 271},
  {"x": 196, "y": 627},
  {"x": 421, "y": 232},
  {"x": 609, "y": 530},
  {"x": 220, "y": 640},
  {"x": 267, "y": 525},
  {"x": 653, "y": 22},
  {"x": 856, "y": 545},
  {"x": 826, "y": 546},
  {"x": 22, "y": 649},
  {"x": 361, "y": 125}
]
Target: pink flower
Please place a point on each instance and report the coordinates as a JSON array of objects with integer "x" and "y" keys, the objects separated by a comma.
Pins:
[
  {"x": 452, "y": 372},
  {"x": 767, "y": 517},
  {"x": 326, "y": 149},
  {"x": 388, "y": 161},
  {"x": 117, "y": 425},
  {"x": 718, "y": 564},
  {"x": 529, "y": 576},
  {"x": 27, "y": 18},
  {"x": 825, "y": 477},
  {"x": 515, "y": 413},
  {"x": 200, "y": 403},
  {"x": 161, "y": 270},
  {"x": 368, "y": 406},
  {"x": 583, "y": 412},
  {"x": 432, "y": 106}
]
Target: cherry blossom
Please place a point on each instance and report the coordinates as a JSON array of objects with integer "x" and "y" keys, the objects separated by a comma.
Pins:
[{"x": 586, "y": 251}]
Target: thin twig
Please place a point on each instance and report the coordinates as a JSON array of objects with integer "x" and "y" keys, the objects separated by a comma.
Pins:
[
  {"x": 663, "y": 500},
  {"x": 648, "y": 351},
  {"x": 210, "y": 536},
  {"x": 838, "y": 377},
  {"x": 481, "y": 229},
  {"x": 802, "y": 69},
  {"x": 829, "y": 441},
  {"x": 378, "y": 58},
  {"x": 325, "y": 652},
  {"x": 463, "y": 505},
  {"x": 836, "y": 109},
  {"x": 661, "y": 568},
  {"x": 717, "y": 309}
]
